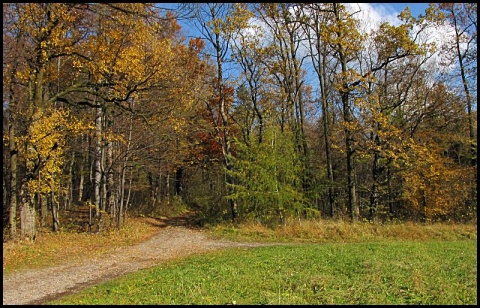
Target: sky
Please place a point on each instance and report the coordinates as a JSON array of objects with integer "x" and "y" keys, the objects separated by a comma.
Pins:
[
  {"x": 415, "y": 8},
  {"x": 376, "y": 11},
  {"x": 371, "y": 15}
]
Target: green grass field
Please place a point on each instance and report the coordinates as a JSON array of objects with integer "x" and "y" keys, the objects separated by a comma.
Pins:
[{"x": 386, "y": 272}]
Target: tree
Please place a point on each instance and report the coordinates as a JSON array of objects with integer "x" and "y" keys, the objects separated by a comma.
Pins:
[
  {"x": 214, "y": 22},
  {"x": 463, "y": 18},
  {"x": 347, "y": 40},
  {"x": 315, "y": 19},
  {"x": 42, "y": 32},
  {"x": 89, "y": 55},
  {"x": 249, "y": 53},
  {"x": 285, "y": 65},
  {"x": 388, "y": 91},
  {"x": 266, "y": 178}
]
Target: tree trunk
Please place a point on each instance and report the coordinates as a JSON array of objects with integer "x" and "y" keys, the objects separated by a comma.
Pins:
[
  {"x": 12, "y": 219},
  {"x": 55, "y": 219},
  {"x": 178, "y": 181},
  {"x": 319, "y": 64},
  {"x": 391, "y": 209},
  {"x": 80, "y": 187},
  {"x": 374, "y": 188},
  {"x": 320, "y": 68},
  {"x": 69, "y": 192},
  {"x": 27, "y": 217},
  {"x": 473, "y": 146},
  {"x": 224, "y": 128},
  {"x": 299, "y": 108},
  {"x": 28, "y": 229},
  {"x": 42, "y": 202},
  {"x": 352, "y": 196},
  {"x": 122, "y": 177},
  {"x": 111, "y": 197},
  {"x": 349, "y": 139},
  {"x": 83, "y": 163},
  {"x": 98, "y": 158},
  {"x": 128, "y": 196}
]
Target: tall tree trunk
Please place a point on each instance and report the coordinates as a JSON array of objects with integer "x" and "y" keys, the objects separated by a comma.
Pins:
[
  {"x": 98, "y": 160},
  {"x": 352, "y": 196},
  {"x": 319, "y": 64},
  {"x": 55, "y": 218},
  {"x": 224, "y": 127},
  {"x": 299, "y": 107},
  {"x": 83, "y": 164},
  {"x": 127, "y": 202},
  {"x": 28, "y": 229},
  {"x": 178, "y": 181},
  {"x": 349, "y": 140},
  {"x": 473, "y": 146},
  {"x": 42, "y": 203},
  {"x": 69, "y": 192},
  {"x": 390, "y": 199},
  {"x": 36, "y": 100},
  {"x": 374, "y": 187},
  {"x": 207, "y": 15},
  {"x": 122, "y": 177},
  {"x": 12, "y": 219},
  {"x": 111, "y": 197},
  {"x": 294, "y": 88},
  {"x": 167, "y": 187}
]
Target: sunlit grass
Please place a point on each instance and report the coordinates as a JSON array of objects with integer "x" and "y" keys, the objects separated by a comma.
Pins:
[
  {"x": 362, "y": 263},
  {"x": 56, "y": 248},
  {"x": 323, "y": 231},
  {"x": 426, "y": 272}
]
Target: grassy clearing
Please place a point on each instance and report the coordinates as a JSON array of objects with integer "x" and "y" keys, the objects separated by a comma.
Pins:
[
  {"x": 328, "y": 231},
  {"x": 362, "y": 263},
  {"x": 427, "y": 272},
  {"x": 56, "y": 248}
]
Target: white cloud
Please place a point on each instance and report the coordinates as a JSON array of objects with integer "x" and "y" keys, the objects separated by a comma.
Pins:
[{"x": 371, "y": 16}]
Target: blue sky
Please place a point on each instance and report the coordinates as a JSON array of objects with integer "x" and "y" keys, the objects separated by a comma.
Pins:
[
  {"x": 415, "y": 8},
  {"x": 371, "y": 14},
  {"x": 386, "y": 10}
]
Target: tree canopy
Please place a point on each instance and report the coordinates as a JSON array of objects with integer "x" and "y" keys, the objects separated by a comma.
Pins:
[{"x": 275, "y": 110}]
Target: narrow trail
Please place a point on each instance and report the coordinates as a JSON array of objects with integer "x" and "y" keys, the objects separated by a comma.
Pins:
[{"x": 176, "y": 238}]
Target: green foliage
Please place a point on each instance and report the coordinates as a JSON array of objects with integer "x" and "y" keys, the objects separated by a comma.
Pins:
[
  {"x": 267, "y": 177},
  {"x": 431, "y": 272},
  {"x": 408, "y": 134}
]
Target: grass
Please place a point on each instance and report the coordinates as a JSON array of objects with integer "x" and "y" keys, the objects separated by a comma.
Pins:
[
  {"x": 56, "y": 248},
  {"x": 327, "y": 231},
  {"x": 428, "y": 272},
  {"x": 331, "y": 262}
]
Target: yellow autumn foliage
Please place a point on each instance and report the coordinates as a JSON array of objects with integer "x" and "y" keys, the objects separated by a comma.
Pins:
[
  {"x": 434, "y": 184},
  {"x": 125, "y": 52},
  {"x": 45, "y": 146}
]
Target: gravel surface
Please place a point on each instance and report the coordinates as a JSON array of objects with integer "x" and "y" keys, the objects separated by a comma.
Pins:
[{"x": 172, "y": 241}]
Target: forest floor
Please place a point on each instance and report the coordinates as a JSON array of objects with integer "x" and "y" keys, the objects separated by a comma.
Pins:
[{"x": 177, "y": 237}]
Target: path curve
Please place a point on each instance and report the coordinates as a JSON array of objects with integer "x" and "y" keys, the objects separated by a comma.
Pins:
[{"x": 43, "y": 285}]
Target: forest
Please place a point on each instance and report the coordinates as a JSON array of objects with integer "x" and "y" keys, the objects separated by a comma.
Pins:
[{"x": 275, "y": 111}]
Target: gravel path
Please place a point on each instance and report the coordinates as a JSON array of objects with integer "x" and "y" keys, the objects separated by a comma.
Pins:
[{"x": 172, "y": 241}]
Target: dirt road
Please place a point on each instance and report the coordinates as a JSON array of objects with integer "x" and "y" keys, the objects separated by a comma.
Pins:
[{"x": 172, "y": 241}]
